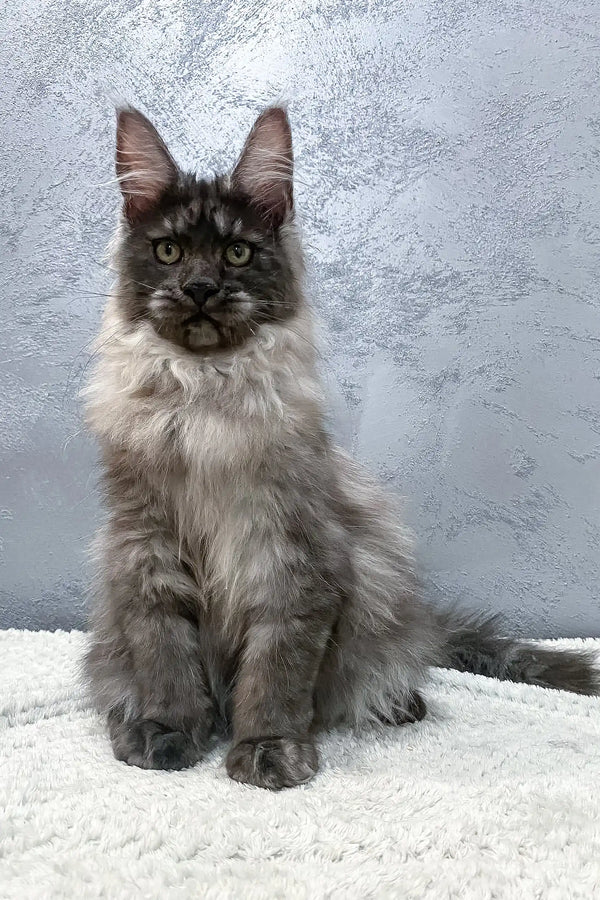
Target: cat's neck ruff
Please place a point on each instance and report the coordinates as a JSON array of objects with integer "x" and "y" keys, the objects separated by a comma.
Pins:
[{"x": 139, "y": 373}]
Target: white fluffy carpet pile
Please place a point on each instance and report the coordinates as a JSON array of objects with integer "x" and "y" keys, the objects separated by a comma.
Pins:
[{"x": 495, "y": 795}]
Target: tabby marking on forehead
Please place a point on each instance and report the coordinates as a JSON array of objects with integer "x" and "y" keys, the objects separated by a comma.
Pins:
[
  {"x": 198, "y": 211},
  {"x": 180, "y": 221},
  {"x": 220, "y": 221}
]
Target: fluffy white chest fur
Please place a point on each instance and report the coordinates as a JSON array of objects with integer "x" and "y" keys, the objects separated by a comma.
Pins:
[
  {"x": 205, "y": 428},
  {"x": 224, "y": 406}
]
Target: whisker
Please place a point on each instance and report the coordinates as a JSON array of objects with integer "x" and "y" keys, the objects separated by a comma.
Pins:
[
  {"x": 88, "y": 293},
  {"x": 74, "y": 361},
  {"x": 124, "y": 277},
  {"x": 286, "y": 324},
  {"x": 117, "y": 331}
]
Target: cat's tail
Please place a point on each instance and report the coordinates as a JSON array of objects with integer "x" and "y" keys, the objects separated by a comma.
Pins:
[{"x": 474, "y": 642}]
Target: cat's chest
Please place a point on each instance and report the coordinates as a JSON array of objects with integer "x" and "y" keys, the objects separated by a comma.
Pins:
[
  {"x": 216, "y": 438},
  {"x": 201, "y": 425},
  {"x": 215, "y": 445}
]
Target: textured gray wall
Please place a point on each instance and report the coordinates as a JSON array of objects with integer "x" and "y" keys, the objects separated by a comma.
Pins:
[{"x": 447, "y": 160}]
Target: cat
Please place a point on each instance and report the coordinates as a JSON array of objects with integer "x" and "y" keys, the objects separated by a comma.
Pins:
[{"x": 251, "y": 577}]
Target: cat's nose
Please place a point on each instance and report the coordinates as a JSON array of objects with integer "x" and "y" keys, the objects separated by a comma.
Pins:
[{"x": 201, "y": 290}]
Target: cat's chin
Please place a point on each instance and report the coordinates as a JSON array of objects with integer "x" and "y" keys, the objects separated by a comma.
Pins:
[
  {"x": 196, "y": 336},
  {"x": 203, "y": 336}
]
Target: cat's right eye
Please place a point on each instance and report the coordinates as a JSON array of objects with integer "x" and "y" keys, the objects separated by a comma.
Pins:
[{"x": 167, "y": 252}]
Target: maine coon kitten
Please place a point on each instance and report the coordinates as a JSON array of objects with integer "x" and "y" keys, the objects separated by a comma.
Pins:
[{"x": 249, "y": 572}]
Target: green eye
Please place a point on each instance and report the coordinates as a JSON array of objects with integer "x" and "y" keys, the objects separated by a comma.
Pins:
[
  {"x": 167, "y": 252},
  {"x": 239, "y": 253}
]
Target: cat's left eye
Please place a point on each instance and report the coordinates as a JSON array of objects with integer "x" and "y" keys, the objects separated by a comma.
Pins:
[
  {"x": 239, "y": 253},
  {"x": 167, "y": 252}
]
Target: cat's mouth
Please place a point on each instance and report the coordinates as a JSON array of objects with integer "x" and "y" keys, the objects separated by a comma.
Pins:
[{"x": 200, "y": 317}]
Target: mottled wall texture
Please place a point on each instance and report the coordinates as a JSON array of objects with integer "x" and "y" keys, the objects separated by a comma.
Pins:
[{"x": 448, "y": 187}]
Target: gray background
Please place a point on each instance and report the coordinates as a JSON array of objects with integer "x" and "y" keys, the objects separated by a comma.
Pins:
[{"x": 447, "y": 159}]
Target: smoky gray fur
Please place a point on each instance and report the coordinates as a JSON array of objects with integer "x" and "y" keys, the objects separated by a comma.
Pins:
[{"x": 250, "y": 575}]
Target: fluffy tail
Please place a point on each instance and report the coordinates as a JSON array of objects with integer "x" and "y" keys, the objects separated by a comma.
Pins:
[{"x": 474, "y": 643}]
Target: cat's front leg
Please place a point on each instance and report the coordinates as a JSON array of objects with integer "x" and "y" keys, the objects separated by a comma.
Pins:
[
  {"x": 174, "y": 714},
  {"x": 273, "y": 700},
  {"x": 145, "y": 664}
]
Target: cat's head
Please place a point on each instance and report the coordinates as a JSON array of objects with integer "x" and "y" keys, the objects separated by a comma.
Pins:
[{"x": 206, "y": 262}]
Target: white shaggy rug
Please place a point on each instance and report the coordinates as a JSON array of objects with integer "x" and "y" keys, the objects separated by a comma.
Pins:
[{"x": 495, "y": 795}]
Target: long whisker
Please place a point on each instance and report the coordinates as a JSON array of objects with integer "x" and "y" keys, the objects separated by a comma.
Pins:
[
  {"x": 124, "y": 277},
  {"x": 111, "y": 338},
  {"x": 287, "y": 325},
  {"x": 103, "y": 296},
  {"x": 105, "y": 267},
  {"x": 117, "y": 331},
  {"x": 84, "y": 368}
]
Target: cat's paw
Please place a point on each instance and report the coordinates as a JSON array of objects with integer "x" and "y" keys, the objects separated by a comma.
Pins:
[
  {"x": 273, "y": 762},
  {"x": 411, "y": 709},
  {"x": 151, "y": 745}
]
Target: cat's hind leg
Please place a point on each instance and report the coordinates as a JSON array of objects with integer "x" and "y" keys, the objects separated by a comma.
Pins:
[
  {"x": 412, "y": 709},
  {"x": 374, "y": 668},
  {"x": 385, "y": 638}
]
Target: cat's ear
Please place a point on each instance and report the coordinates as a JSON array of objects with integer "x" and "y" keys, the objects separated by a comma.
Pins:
[
  {"x": 265, "y": 169},
  {"x": 145, "y": 168}
]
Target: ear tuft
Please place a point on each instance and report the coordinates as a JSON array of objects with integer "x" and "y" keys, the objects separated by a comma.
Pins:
[
  {"x": 265, "y": 169},
  {"x": 145, "y": 168}
]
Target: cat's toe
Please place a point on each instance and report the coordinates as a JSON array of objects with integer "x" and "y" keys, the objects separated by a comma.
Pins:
[
  {"x": 273, "y": 762},
  {"x": 149, "y": 745},
  {"x": 173, "y": 750}
]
